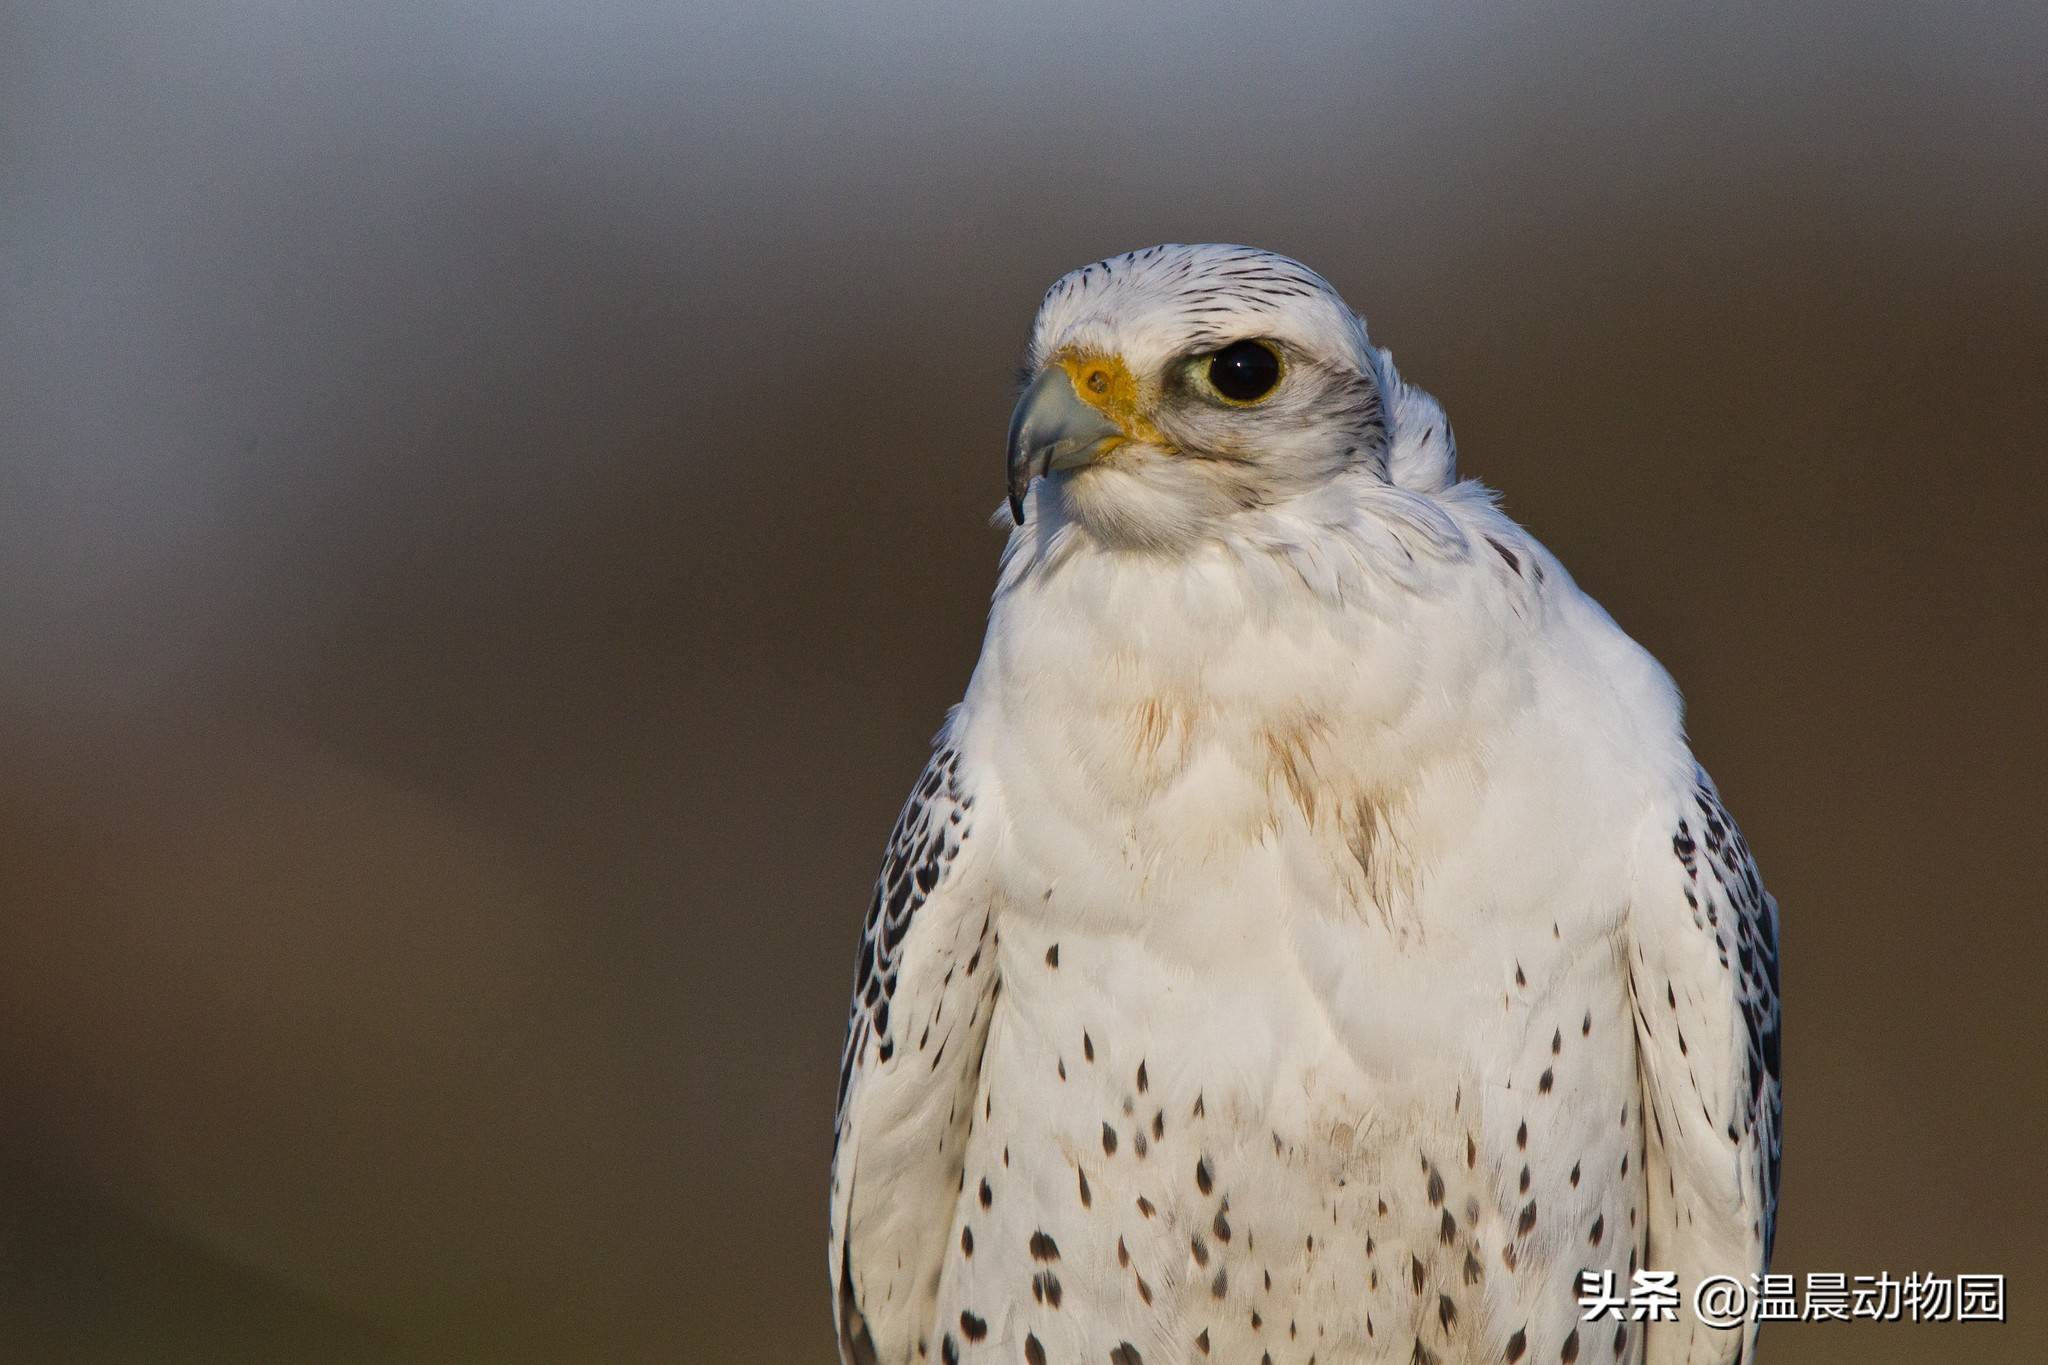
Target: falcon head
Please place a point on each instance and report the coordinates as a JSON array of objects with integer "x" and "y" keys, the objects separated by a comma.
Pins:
[{"x": 1172, "y": 389}]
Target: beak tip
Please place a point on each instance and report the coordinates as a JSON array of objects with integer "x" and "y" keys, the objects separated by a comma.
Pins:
[{"x": 1017, "y": 508}]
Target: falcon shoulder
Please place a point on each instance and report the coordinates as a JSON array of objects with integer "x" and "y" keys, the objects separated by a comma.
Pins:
[
  {"x": 924, "y": 988},
  {"x": 1703, "y": 976}
]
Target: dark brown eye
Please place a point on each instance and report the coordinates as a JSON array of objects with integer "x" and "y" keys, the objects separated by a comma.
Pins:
[{"x": 1244, "y": 371}]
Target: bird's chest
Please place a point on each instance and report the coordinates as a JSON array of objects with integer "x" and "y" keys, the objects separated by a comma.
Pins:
[
  {"x": 1166, "y": 734},
  {"x": 1179, "y": 1156},
  {"x": 1169, "y": 798},
  {"x": 1311, "y": 1041}
]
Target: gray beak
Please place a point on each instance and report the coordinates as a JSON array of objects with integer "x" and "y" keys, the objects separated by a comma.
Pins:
[{"x": 1052, "y": 429}]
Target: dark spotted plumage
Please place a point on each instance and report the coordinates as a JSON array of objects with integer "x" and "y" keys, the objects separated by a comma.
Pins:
[
  {"x": 889, "y": 1035},
  {"x": 929, "y": 832},
  {"x": 1731, "y": 907},
  {"x": 1703, "y": 987}
]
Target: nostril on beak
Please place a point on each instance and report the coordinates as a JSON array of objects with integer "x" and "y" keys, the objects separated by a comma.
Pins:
[{"x": 1055, "y": 428}]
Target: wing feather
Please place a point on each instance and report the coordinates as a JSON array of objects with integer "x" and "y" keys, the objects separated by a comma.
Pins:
[
  {"x": 924, "y": 981},
  {"x": 1703, "y": 972}
]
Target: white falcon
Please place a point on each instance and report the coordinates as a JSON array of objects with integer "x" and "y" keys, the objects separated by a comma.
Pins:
[{"x": 1312, "y": 938}]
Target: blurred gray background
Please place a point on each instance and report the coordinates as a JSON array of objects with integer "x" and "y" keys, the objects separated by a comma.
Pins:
[{"x": 493, "y": 503}]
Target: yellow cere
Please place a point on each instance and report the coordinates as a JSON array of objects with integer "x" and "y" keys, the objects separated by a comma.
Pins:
[{"x": 1106, "y": 384}]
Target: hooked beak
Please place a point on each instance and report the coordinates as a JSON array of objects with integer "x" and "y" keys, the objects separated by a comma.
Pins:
[{"x": 1053, "y": 429}]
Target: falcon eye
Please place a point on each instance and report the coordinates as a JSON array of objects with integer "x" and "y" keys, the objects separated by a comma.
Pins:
[{"x": 1244, "y": 371}]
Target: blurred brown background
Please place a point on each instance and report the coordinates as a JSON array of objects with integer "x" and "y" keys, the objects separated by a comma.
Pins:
[{"x": 493, "y": 503}]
